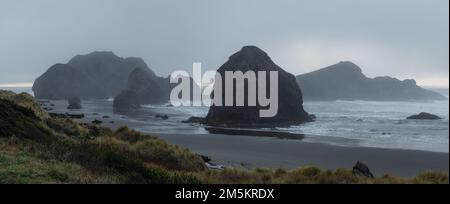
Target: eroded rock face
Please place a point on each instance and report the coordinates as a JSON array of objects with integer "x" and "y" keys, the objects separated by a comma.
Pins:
[
  {"x": 346, "y": 81},
  {"x": 290, "y": 109},
  {"x": 424, "y": 116}
]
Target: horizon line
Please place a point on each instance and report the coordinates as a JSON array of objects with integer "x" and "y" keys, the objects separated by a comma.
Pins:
[{"x": 17, "y": 85}]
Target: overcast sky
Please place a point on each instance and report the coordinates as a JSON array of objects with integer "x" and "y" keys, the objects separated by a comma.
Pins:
[{"x": 399, "y": 38}]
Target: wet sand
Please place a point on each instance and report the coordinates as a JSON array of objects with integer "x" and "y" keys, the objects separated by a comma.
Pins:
[{"x": 250, "y": 152}]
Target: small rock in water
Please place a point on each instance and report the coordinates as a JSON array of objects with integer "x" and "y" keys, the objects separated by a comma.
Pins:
[
  {"x": 75, "y": 116},
  {"x": 97, "y": 122},
  {"x": 74, "y": 103},
  {"x": 106, "y": 116},
  {"x": 164, "y": 117},
  {"x": 195, "y": 120},
  {"x": 360, "y": 169},
  {"x": 424, "y": 116}
]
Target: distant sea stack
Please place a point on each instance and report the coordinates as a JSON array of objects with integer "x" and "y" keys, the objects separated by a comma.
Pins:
[
  {"x": 290, "y": 109},
  {"x": 346, "y": 81},
  {"x": 125, "y": 102},
  {"x": 74, "y": 103},
  {"x": 62, "y": 81},
  {"x": 98, "y": 75}
]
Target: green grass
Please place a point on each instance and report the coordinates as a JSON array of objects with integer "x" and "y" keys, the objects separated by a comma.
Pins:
[
  {"x": 312, "y": 175},
  {"x": 21, "y": 163}
]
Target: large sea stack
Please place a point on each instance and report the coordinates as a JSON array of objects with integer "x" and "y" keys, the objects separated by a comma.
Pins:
[
  {"x": 98, "y": 75},
  {"x": 346, "y": 81},
  {"x": 62, "y": 81},
  {"x": 290, "y": 109}
]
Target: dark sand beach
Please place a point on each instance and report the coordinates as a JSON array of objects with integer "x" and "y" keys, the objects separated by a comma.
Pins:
[{"x": 249, "y": 152}]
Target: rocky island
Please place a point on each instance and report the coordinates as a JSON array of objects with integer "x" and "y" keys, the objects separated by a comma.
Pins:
[
  {"x": 346, "y": 81},
  {"x": 290, "y": 111},
  {"x": 98, "y": 75}
]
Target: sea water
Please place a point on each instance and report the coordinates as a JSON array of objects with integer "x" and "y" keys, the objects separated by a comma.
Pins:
[
  {"x": 378, "y": 124},
  {"x": 369, "y": 124}
]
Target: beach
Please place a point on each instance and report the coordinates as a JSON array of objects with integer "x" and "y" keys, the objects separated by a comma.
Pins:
[{"x": 250, "y": 152}]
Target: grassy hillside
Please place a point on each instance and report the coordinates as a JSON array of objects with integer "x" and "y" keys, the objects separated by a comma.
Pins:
[{"x": 36, "y": 148}]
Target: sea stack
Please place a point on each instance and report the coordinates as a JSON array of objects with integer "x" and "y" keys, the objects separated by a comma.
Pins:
[
  {"x": 143, "y": 87},
  {"x": 125, "y": 102},
  {"x": 98, "y": 75},
  {"x": 148, "y": 87},
  {"x": 62, "y": 81},
  {"x": 290, "y": 103},
  {"x": 346, "y": 81},
  {"x": 74, "y": 103}
]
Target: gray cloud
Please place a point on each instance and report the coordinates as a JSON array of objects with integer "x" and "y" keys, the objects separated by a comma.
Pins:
[{"x": 402, "y": 38}]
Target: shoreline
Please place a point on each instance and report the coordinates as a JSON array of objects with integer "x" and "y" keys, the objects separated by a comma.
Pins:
[
  {"x": 249, "y": 152},
  {"x": 245, "y": 152}
]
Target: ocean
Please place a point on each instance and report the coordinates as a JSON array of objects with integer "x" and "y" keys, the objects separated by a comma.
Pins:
[{"x": 342, "y": 123}]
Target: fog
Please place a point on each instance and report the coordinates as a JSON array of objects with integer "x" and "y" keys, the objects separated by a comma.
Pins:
[{"x": 402, "y": 38}]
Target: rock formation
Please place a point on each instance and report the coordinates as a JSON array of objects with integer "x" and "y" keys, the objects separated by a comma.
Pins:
[
  {"x": 346, "y": 81},
  {"x": 143, "y": 87},
  {"x": 361, "y": 169},
  {"x": 148, "y": 87},
  {"x": 62, "y": 81},
  {"x": 98, "y": 75},
  {"x": 125, "y": 102},
  {"x": 424, "y": 116},
  {"x": 290, "y": 108},
  {"x": 74, "y": 103}
]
